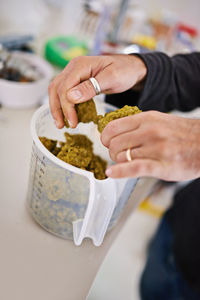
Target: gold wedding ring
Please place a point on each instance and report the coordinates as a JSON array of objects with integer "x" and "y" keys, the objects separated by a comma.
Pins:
[
  {"x": 96, "y": 85},
  {"x": 128, "y": 154}
]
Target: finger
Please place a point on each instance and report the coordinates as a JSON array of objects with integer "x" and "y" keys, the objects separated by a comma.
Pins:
[
  {"x": 67, "y": 79},
  {"x": 78, "y": 71},
  {"x": 68, "y": 98},
  {"x": 71, "y": 88},
  {"x": 80, "y": 89},
  {"x": 75, "y": 96},
  {"x": 138, "y": 152},
  {"x": 71, "y": 91},
  {"x": 81, "y": 93},
  {"x": 57, "y": 113},
  {"x": 119, "y": 126},
  {"x": 109, "y": 80},
  {"x": 84, "y": 90},
  {"x": 124, "y": 141},
  {"x": 69, "y": 113},
  {"x": 134, "y": 153},
  {"x": 54, "y": 102},
  {"x": 136, "y": 168}
]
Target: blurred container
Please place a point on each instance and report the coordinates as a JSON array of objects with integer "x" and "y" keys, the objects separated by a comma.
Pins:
[
  {"x": 15, "y": 94},
  {"x": 61, "y": 49},
  {"x": 67, "y": 201}
]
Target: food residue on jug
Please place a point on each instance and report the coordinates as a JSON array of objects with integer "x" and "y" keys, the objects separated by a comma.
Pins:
[
  {"x": 77, "y": 151},
  {"x": 51, "y": 145},
  {"x": 78, "y": 148}
]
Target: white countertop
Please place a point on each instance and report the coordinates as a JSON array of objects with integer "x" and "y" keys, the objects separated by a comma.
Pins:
[{"x": 34, "y": 264}]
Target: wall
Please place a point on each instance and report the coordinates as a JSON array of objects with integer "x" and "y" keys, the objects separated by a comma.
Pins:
[{"x": 188, "y": 11}]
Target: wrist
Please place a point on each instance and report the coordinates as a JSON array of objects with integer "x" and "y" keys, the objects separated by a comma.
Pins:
[{"x": 141, "y": 72}]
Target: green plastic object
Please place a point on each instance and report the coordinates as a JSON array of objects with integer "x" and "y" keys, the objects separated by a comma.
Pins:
[{"x": 61, "y": 49}]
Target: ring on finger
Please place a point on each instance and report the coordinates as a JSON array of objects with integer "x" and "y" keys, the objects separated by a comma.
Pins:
[
  {"x": 128, "y": 154},
  {"x": 96, "y": 85}
]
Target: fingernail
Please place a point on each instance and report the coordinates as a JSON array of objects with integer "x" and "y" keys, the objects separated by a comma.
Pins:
[
  {"x": 75, "y": 94},
  {"x": 70, "y": 123},
  {"x": 108, "y": 172}
]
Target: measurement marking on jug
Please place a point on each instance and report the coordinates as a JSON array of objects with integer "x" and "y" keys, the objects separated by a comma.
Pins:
[
  {"x": 41, "y": 185},
  {"x": 38, "y": 172},
  {"x": 42, "y": 170},
  {"x": 38, "y": 196}
]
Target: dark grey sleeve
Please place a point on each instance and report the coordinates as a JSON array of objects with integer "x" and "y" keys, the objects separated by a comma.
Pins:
[{"x": 171, "y": 83}]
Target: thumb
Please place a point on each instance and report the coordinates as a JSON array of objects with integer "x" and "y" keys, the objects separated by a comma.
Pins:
[
  {"x": 81, "y": 92},
  {"x": 85, "y": 90}
]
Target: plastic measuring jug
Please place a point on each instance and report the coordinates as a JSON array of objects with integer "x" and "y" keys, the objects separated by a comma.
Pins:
[{"x": 65, "y": 200}]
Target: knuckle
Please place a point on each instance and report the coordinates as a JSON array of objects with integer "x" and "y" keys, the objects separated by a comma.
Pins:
[
  {"x": 105, "y": 139},
  {"x": 140, "y": 169},
  {"x": 179, "y": 155},
  {"x": 164, "y": 149},
  {"x": 75, "y": 61},
  {"x": 87, "y": 88},
  {"x": 111, "y": 128},
  {"x": 114, "y": 74},
  {"x": 60, "y": 90},
  {"x": 113, "y": 145},
  {"x": 154, "y": 132},
  {"x": 119, "y": 172},
  {"x": 53, "y": 112},
  {"x": 152, "y": 115},
  {"x": 112, "y": 156},
  {"x": 135, "y": 153},
  {"x": 119, "y": 157},
  {"x": 147, "y": 168},
  {"x": 72, "y": 62},
  {"x": 135, "y": 168},
  {"x": 51, "y": 86}
]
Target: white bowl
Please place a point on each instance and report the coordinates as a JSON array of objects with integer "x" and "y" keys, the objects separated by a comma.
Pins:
[{"x": 23, "y": 95}]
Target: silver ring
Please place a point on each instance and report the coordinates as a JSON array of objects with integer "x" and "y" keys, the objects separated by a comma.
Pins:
[
  {"x": 96, "y": 85},
  {"x": 128, "y": 154}
]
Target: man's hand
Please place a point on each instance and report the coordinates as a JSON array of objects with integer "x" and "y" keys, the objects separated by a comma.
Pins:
[
  {"x": 162, "y": 146},
  {"x": 115, "y": 74}
]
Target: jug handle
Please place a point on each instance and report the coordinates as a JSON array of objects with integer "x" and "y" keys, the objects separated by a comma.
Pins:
[{"x": 101, "y": 205}]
